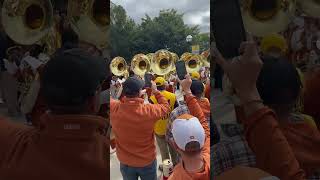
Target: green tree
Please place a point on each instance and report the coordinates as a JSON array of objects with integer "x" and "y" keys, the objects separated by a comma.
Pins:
[
  {"x": 167, "y": 31},
  {"x": 203, "y": 40},
  {"x": 122, "y": 32}
]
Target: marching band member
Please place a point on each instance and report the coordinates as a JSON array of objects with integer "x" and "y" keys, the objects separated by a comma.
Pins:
[
  {"x": 10, "y": 79},
  {"x": 161, "y": 124},
  {"x": 113, "y": 87},
  {"x": 30, "y": 67}
]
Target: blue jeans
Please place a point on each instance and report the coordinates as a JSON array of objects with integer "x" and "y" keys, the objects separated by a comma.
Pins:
[{"x": 145, "y": 173}]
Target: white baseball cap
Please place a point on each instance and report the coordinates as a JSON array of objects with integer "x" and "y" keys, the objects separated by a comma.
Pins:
[{"x": 186, "y": 129}]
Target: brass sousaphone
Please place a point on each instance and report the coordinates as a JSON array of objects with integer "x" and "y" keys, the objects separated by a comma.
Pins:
[
  {"x": 263, "y": 17},
  {"x": 206, "y": 58},
  {"x": 175, "y": 58},
  {"x": 193, "y": 62},
  {"x": 140, "y": 64},
  {"x": 118, "y": 66},
  {"x": 161, "y": 63},
  {"x": 27, "y": 21},
  {"x": 90, "y": 20},
  {"x": 310, "y": 7}
]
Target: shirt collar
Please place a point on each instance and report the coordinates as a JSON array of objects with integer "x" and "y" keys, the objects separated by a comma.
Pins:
[
  {"x": 73, "y": 126},
  {"x": 133, "y": 100}
]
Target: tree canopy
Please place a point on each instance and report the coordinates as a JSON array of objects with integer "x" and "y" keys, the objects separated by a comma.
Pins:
[{"x": 166, "y": 31}]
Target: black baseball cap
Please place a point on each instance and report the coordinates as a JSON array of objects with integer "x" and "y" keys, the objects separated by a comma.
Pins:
[
  {"x": 132, "y": 86},
  {"x": 71, "y": 76},
  {"x": 197, "y": 87}
]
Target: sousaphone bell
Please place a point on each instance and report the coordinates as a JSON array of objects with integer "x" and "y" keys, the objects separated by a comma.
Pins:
[
  {"x": 27, "y": 21},
  {"x": 90, "y": 20},
  {"x": 140, "y": 64},
  {"x": 118, "y": 66},
  {"x": 193, "y": 62},
  {"x": 161, "y": 63},
  {"x": 263, "y": 17}
]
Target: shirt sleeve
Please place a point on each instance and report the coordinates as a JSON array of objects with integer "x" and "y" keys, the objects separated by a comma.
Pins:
[
  {"x": 160, "y": 110},
  {"x": 273, "y": 153}
]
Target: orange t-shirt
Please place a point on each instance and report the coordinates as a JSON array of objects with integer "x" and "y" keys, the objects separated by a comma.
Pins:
[
  {"x": 133, "y": 123},
  {"x": 205, "y": 106},
  {"x": 278, "y": 159},
  {"x": 66, "y": 147},
  {"x": 179, "y": 173}
]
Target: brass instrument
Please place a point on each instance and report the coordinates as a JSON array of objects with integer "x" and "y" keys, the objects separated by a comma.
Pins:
[
  {"x": 150, "y": 56},
  {"x": 90, "y": 20},
  {"x": 310, "y": 7},
  {"x": 206, "y": 58},
  {"x": 27, "y": 21},
  {"x": 118, "y": 66},
  {"x": 193, "y": 62},
  {"x": 265, "y": 17},
  {"x": 185, "y": 55},
  {"x": 140, "y": 64},
  {"x": 161, "y": 62},
  {"x": 175, "y": 58}
]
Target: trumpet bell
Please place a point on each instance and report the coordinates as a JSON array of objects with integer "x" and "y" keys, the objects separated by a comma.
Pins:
[
  {"x": 27, "y": 21},
  {"x": 118, "y": 66},
  {"x": 161, "y": 62},
  {"x": 263, "y": 17},
  {"x": 140, "y": 64},
  {"x": 90, "y": 19}
]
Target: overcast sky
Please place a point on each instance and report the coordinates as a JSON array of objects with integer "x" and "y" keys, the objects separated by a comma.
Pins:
[{"x": 197, "y": 12}]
